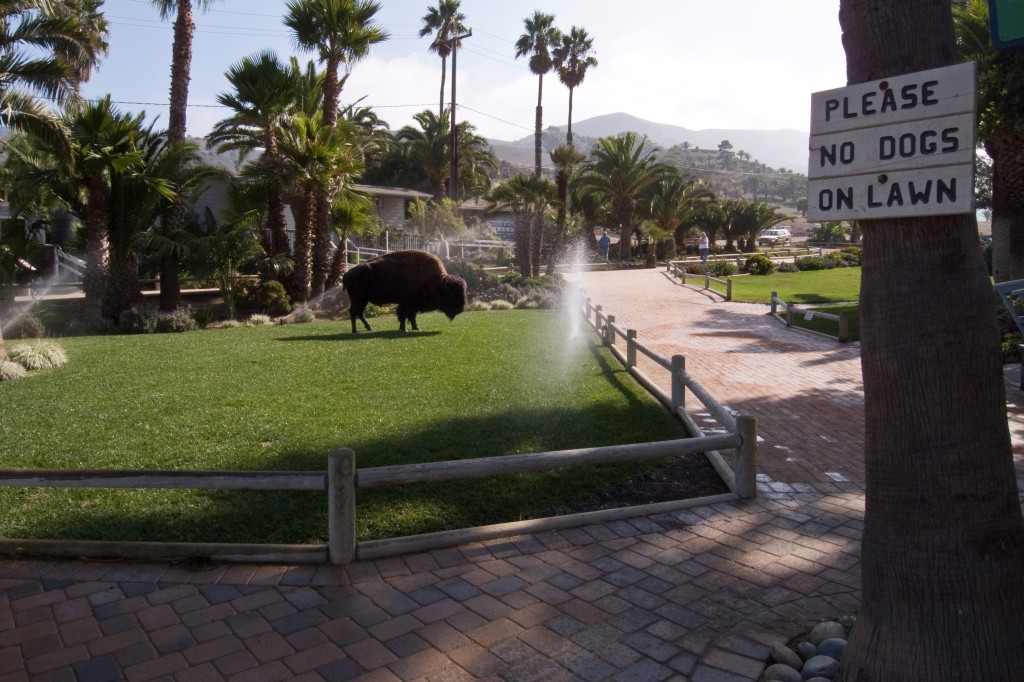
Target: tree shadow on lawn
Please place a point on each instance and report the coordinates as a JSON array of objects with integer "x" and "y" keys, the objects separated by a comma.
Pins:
[{"x": 301, "y": 517}]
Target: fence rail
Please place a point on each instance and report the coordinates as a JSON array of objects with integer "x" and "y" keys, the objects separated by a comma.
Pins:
[
  {"x": 342, "y": 479},
  {"x": 842, "y": 319},
  {"x": 678, "y": 268}
]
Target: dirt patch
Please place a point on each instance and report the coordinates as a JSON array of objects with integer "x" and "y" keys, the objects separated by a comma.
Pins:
[{"x": 685, "y": 477}]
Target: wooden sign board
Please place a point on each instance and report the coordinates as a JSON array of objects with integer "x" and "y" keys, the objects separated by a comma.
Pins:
[{"x": 898, "y": 147}]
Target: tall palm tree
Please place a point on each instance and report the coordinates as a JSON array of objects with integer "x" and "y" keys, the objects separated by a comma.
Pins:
[
  {"x": 341, "y": 32},
  {"x": 181, "y": 66},
  {"x": 565, "y": 158},
  {"x": 426, "y": 148},
  {"x": 527, "y": 197},
  {"x": 673, "y": 203},
  {"x": 573, "y": 57},
  {"x": 622, "y": 169},
  {"x": 264, "y": 92},
  {"x": 445, "y": 21},
  {"x": 94, "y": 30},
  {"x": 540, "y": 38}
]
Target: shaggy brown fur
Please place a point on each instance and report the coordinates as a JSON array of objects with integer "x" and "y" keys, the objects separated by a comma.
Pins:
[{"x": 415, "y": 280}]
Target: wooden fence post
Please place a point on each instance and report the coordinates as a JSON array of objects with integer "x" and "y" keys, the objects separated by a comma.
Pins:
[
  {"x": 341, "y": 506},
  {"x": 844, "y": 327},
  {"x": 746, "y": 457},
  {"x": 707, "y": 280},
  {"x": 775, "y": 298},
  {"x": 630, "y": 348},
  {"x": 728, "y": 289},
  {"x": 789, "y": 314},
  {"x": 609, "y": 332},
  {"x": 586, "y": 303},
  {"x": 678, "y": 385}
]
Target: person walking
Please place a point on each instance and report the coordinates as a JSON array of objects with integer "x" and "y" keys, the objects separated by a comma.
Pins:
[
  {"x": 705, "y": 247},
  {"x": 603, "y": 244}
]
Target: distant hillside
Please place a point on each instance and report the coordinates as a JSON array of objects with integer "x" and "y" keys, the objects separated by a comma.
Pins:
[{"x": 774, "y": 148}]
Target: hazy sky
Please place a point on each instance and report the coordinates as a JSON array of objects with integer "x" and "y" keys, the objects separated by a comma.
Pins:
[{"x": 749, "y": 64}]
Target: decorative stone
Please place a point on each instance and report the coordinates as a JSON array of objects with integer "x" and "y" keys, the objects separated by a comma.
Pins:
[
  {"x": 818, "y": 679},
  {"x": 833, "y": 647},
  {"x": 820, "y": 666},
  {"x": 826, "y": 630},
  {"x": 807, "y": 651},
  {"x": 779, "y": 672},
  {"x": 783, "y": 654}
]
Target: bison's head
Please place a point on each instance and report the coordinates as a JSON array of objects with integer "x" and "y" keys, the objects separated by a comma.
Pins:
[{"x": 453, "y": 296}]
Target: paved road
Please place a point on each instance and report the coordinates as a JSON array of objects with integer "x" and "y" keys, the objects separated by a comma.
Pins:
[{"x": 697, "y": 595}]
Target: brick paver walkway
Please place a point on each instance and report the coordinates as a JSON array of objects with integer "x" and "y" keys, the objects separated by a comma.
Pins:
[{"x": 695, "y": 595}]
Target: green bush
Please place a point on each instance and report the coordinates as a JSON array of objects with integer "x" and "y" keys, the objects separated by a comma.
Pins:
[
  {"x": 851, "y": 255},
  {"x": 1011, "y": 347},
  {"x": 811, "y": 263},
  {"x": 787, "y": 267},
  {"x": 203, "y": 317},
  {"x": 759, "y": 264},
  {"x": 477, "y": 279},
  {"x": 137, "y": 320},
  {"x": 28, "y": 326},
  {"x": 180, "y": 320},
  {"x": 835, "y": 260},
  {"x": 267, "y": 297},
  {"x": 721, "y": 268}
]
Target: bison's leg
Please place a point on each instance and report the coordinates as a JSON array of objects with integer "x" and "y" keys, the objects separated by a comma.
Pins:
[
  {"x": 356, "y": 310},
  {"x": 403, "y": 315},
  {"x": 412, "y": 319}
]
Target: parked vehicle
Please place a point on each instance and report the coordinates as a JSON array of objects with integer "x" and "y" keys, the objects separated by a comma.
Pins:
[{"x": 775, "y": 236}]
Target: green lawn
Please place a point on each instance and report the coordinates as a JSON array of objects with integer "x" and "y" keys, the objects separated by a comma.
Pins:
[
  {"x": 808, "y": 288},
  {"x": 281, "y": 397}
]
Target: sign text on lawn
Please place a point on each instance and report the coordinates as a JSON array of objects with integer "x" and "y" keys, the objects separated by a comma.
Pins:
[{"x": 898, "y": 147}]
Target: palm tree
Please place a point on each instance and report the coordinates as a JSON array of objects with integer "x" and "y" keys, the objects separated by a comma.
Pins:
[
  {"x": 426, "y": 148},
  {"x": 673, "y": 203},
  {"x": 747, "y": 219},
  {"x": 341, "y": 32},
  {"x": 622, "y": 169},
  {"x": 565, "y": 159},
  {"x": 446, "y": 22},
  {"x": 45, "y": 48},
  {"x": 318, "y": 161},
  {"x": 1000, "y": 103},
  {"x": 181, "y": 66},
  {"x": 540, "y": 38},
  {"x": 264, "y": 92},
  {"x": 526, "y": 196},
  {"x": 573, "y": 56},
  {"x": 943, "y": 535}
]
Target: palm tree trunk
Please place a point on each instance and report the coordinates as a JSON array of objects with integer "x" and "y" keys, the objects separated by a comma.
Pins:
[
  {"x": 943, "y": 539},
  {"x": 321, "y": 242},
  {"x": 339, "y": 263},
  {"x": 523, "y": 247},
  {"x": 304, "y": 235},
  {"x": 568, "y": 131},
  {"x": 537, "y": 127},
  {"x": 535, "y": 244},
  {"x": 97, "y": 252},
  {"x": 444, "y": 69},
  {"x": 1007, "y": 209},
  {"x": 123, "y": 287}
]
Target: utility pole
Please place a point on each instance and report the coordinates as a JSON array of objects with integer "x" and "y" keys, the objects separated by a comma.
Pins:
[{"x": 453, "y": 174}]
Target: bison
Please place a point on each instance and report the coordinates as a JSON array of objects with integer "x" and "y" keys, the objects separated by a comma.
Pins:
[{"x": 415, "y": 280}]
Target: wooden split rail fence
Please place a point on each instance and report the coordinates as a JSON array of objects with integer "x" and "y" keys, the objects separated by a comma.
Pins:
[
  {"x": 343, "y": 479},
  {"x": 842, "y": 319}
]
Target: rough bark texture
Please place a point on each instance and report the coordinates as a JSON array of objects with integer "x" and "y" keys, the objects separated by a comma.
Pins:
[
  {"x": 943, "y": 544},
  {"x": 181, "y": 65},
  {"x": 1008, "y": 210},
  {"x": 538, "y": 134}
]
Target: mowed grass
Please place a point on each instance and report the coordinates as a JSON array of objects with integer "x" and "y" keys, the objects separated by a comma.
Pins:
[
  {"x": 808, "y": 288},
  {"x": 281, "y": 397}
]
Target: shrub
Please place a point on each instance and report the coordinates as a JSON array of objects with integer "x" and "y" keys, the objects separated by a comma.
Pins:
[
  {"x": 694, "y": 268},
  {"x": 203, "y": 317},
  {"x": 259, "y": 319},
  {"x": 1011, "y": 347},
  {"x": 231, "y": 324},
  {"x": 9, "y": 371},
  {"x": 267, "y": 296},
  {"x": 502, "y": 304},
  {"x": 477, "y": 279},
  {"x": 759, "y": 264},
  {"x": 478, "y": 306},
  {"x": 786, "y": 267},
  {"x": 851, "y": 255},
  {"x": 810, "y": 263},
  {"x": 721, "y": 268},
  {"x": 301, "y": 314},
  {"x": 180, "y": 320},
  {"x": 28, "y": 326},
  {"x": 41, "y": 355},
  {"x": 137, "y": 320},
  {"x": 835, "y": 260}
]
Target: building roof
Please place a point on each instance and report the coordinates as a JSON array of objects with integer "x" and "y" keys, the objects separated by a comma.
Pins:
[{"x": 397, "y": 192}]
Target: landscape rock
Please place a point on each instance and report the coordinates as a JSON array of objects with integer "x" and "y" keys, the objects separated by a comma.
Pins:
[
  {"x": 833, "y": 647},
  {"x": 783, "y": 654},
  {"x": 820, "y": 666},
  {"x": 827, "y": 630},
  {"x": 779, "y": 672},
  {"x": 806, "y": 651}
]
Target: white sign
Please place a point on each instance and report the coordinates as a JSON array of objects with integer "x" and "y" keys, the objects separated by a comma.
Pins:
[{"x": 898, "y": 147}]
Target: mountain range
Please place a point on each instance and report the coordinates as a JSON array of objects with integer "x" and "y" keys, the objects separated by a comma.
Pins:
[{"x": 787, "y": 148}]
